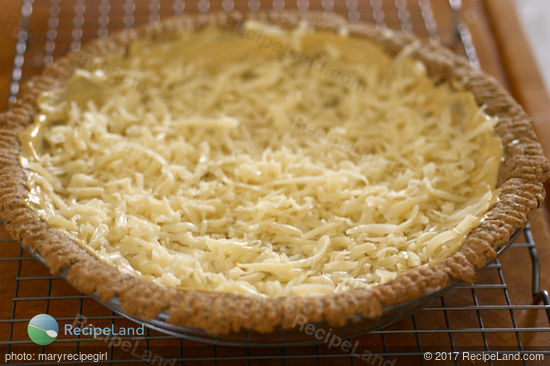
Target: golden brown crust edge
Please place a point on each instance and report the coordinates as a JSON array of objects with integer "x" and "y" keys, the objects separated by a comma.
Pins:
[{"x": 522, "y": 173}]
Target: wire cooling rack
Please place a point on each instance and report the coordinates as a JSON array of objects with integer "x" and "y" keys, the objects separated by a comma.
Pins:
[{"x": 484, "y": 316}]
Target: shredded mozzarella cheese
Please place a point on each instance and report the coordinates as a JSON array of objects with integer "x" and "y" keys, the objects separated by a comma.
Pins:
[{"x": 273, "y": 163}]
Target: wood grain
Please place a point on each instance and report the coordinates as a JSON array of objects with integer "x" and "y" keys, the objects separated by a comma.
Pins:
[
  {"x": 474, "y": 16},
  {"x": 523, "y": 77},
  {"x": 502, "y": 52},
  {"x": 524, "y": 80},
  {"x": 9, "y": 20}
]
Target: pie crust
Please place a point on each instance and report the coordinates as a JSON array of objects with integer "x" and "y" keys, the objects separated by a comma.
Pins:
[{"x": 522, "y": 173}]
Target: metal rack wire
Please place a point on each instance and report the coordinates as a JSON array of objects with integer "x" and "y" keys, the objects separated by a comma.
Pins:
[
  {"x": 460, "y": 315},
  {"x": 464, "y": 316}
]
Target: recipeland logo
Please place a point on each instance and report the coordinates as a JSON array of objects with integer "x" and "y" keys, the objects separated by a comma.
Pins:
[
  {"x": 43, "y": 330},
  {"x": 91, "y": 330}
]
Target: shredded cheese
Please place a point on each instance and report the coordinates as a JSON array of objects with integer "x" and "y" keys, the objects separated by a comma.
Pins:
[{"x": 273, "y": 163}]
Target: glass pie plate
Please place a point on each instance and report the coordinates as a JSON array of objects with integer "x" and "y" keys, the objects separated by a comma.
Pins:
[
  {"x": 356, "y": 325},
  {"x": 524, "y": 168}
]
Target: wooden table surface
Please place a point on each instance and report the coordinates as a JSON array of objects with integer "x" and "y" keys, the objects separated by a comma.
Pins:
[{"x": 503, "y": 53}]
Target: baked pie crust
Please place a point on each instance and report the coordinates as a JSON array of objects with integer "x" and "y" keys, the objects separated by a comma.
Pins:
[{"x": 522, "y": 173}]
